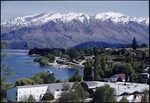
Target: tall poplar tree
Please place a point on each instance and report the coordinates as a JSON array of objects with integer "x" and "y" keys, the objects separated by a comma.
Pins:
[
  {"x": 97, "y": 68},
  {"x": 134, "y": 43},
  {"x": 87, "y": 76}
]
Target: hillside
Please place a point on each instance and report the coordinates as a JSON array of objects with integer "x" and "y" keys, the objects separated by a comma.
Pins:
[{"x": 55, "y": 30}]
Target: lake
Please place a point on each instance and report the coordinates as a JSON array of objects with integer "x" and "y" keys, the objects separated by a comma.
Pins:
[{"x": 19, "y": 60}]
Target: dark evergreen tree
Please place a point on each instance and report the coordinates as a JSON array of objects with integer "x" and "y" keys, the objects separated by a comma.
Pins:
[
  {"x": 48, "y": 96},
  {"x": 75, "y": 77},
  {"x": 97, "y": 68},
  {"x": 103, "y": 62},
  {"x": 134, "y": 43},
  {"x": 124, "y": 99},
  {"x": 104, "y": 94},
  {"x": 87, "y": 76}
]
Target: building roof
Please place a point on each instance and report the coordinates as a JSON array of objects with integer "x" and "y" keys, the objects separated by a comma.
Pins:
[
  {"x": 122, "y": 75},
  {"x": 59, "y": 86},
  {"x": 128, "y": 88},
  {"x": 119, "y": 86}
]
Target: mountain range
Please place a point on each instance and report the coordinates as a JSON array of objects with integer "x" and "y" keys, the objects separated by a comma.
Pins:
[{"x": 55, "y": 30}]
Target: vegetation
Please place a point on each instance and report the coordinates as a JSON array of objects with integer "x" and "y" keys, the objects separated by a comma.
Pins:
[
  {"x": 124, "y": 99},
  {"x": 44, "y": 60},
  {"x": 134, "y": 43},
  {"x": 75, "y": 77},
  {"x": 76, "y": 94},
  {"x": 6, "y": 73},
  {"x": 104, "y": 94},
  {"x": 40, "y": 78},
  {"x": 48, "y": 96},
  {"x": 4, "y": 87},
  {"x": 87, "y": 76},
  {"x": 31, "y": 98},
  {"x": 23, "y": 81},
  {"x": 145, "y": 96},
  {"x": 44, "y": 78}
]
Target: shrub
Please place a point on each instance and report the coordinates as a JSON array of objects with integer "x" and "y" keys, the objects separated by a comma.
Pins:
[{"x": 48, "y": 96}]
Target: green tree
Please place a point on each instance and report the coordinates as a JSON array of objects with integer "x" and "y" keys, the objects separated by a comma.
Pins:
[
  {"x": 124, "y": 99},
  {"x": 76, "y": 94},
  {"x": 103, "y": 63},
  {"x": 4, "y": 87},
  {"x": 26, "y": 98},
  {"x": 75, "y": 77},
  {"x": 48, "y": 96},
  {"x": 95, "y": 50},
  {"x": 104, "y": 94},
  {"x": 21, "y": 82},
  {"x": 44, "y": 78},
  {"x": 134, "y": 43},
  {"x": 65, "y": 87},
  {"x": 82, "y": 94},
  {"x": 64, "y": 97},
  {"x": 72, "y": 53},
  {"x": 6, "y": 70},
  {"x": 97, "y": 68},
  {"x": 87, "y": 76},
  {"x": 145, "y": 96},
  {"x": 124, "y": 68},
  {"x": 31, "y": 98}
]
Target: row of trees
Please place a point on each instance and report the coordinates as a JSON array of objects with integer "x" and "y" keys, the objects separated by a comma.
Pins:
[
  {"x": 80, "y": 91},
  {"x": 44, "y": 60},
  {"x": 6, "y": 73},
  {"x": 75, "y": 94},
  {"x": 40, "y": 78}
]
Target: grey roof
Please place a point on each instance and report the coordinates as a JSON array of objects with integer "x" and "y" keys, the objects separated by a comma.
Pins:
[
  {"x": 58, "y": 86},
  {"x": 91, "y": 83}
]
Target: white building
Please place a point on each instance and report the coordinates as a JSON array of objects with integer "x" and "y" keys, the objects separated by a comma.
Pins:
[
  {"x": 115, "y": 77},
  {"x": 19, "y": 92}
]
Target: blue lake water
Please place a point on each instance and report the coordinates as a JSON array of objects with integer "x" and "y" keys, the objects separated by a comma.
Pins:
[{"x": 17, "y": 60}]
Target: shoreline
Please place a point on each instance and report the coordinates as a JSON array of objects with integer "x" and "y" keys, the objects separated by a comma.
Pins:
[{"x": 65, "y": 66}]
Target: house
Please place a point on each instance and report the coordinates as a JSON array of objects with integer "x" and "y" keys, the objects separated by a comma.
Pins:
[
  {"x": 144, "y": 75},
  {"x": 115, "y": 77},
  {"x": 18, "y": 93},
  {"x": 147, "y": 68}
]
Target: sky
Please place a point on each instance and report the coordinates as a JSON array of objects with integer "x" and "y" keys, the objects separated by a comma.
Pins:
[{"x": 13, "y": 9}]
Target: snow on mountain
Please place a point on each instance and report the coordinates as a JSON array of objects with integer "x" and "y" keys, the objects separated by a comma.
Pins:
[
  {"x": 39, "y": 19},
  {"x": 52, "y": 30},
  {"x": 120, "y": 18}
]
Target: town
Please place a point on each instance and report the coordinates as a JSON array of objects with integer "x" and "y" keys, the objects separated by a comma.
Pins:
[{"x": 102, "y": 67}]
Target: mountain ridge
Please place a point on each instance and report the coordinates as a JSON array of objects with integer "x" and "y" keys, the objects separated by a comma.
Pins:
[
  {"x": 76, "y": 28},
  {"x": 45, "y": 17}
]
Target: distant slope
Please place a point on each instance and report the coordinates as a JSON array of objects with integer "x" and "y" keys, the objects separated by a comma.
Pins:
[
  {"x": 55, "y": 30},
  {"x": 99, "y": 44}
]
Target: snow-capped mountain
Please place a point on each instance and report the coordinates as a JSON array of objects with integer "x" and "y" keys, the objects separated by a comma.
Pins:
[
  {"x": 67, "y": 30},
  {"x": 39, "y": 19},
  {"x": 120, "y": 18}
]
